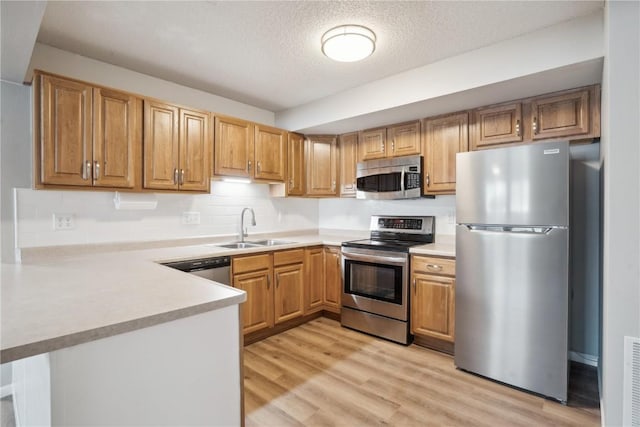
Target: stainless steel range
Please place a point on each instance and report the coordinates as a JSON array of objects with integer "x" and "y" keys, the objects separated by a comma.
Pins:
[{"x": 375, "y": 273}]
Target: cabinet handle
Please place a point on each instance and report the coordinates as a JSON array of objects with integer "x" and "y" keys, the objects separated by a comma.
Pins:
[
  {"x": 414, "y": 286},
  {"x": 258, "y": 166},
  {"x": 434, "y": 267},
  {"x": 175, "y": 175},
  {"x": 249, "y": 166},
  {"x": 268, "y": 281},
  {"x": 534, "y": 125},
  {"x": 393, "y": 145},
  {"x": 382, "y": 147},
  {"x": 277, "y": 282},
  {"x": 96, "y": 169},
  {"x": 181, "y": 176},
  {"x": 518, "y": 128},
  {"x": 290, "y": 182},
  {"x": 333, "y": 186},
  {"x": 427, "y": 179},
  {"x": 86, "y": 170}
]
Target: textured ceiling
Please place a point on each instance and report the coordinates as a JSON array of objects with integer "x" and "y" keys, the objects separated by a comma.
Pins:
[{"x": 267, "y": 53}]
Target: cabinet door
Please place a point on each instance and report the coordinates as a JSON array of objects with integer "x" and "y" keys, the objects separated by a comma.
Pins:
[
  {"x": 314, "y": 291},
  {"x": 561, "y": 115},
  {"x": 433, "y": 309},
  {"x": 348, "y": 161},
  {"x": 296, "y": 168},
  {"x": 497, "y": 125},
  {"x": 270, "y": 153},
  {"x": 404, "y": 139},
  {"x": 233, "y": 147},
  {"x": 257, "y": 310},
  {"x": 65, "y": 135},
  {"x": 333, "y": 279},
  {"x": 195, "y": 143},
  {"x": 322, "y": 166},
  {"x": 160, "y": 146},
  {"x": 289, "y": 292},
  {"x": 116, "y": 138},
  {"x": 372, "y": 144},
  {"x": 444, "y": 138}
]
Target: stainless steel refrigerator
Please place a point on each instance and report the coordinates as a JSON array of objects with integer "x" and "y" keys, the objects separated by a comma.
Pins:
[{"x": 512, "y": 266}]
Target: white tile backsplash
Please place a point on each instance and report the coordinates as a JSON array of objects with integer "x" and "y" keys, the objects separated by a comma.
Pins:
[
  {"x": 97, "y": 220},
  {"x": 353, "y": 214}
]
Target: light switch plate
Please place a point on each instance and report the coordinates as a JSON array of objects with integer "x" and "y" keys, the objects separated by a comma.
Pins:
[
  {"x": 191, "y": 218},
  {"x": 64, "y": 221}
]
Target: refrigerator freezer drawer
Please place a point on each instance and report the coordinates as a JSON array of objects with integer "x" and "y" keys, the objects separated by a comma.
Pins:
[{"x": 511, "y": 307}]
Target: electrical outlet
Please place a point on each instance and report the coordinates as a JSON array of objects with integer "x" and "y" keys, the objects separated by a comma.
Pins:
[
  {"x": 64, "y": 221},
  {"x": 191, "y": 218}
]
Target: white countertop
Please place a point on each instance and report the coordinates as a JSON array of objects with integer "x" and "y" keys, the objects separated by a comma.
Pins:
[{"x": 71, "y": 295}]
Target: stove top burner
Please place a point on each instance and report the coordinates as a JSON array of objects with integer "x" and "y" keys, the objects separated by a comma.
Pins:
[{"x": 390, "y": 245}]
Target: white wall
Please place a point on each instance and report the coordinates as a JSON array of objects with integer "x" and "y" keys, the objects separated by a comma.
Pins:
[
  {"x": 97, "y": 220},
  {"x": 353, "y": 214},
  {"x": 621, "y": 225},
  {"x": 69, "y": 64}
]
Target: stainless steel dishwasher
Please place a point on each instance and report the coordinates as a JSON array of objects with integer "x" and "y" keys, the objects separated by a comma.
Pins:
[{"x": 217, "y": 269}]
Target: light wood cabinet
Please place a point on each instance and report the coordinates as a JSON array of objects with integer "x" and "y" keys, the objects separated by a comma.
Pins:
[
  {"x": 315, "y": 272},
  {"x": 444, "y": 137},
  {"x": 333, "y": 279},
  {"x": 176, "y": 147},
  {"x": 253, "y": 274},
  {"x": 497, "y": 125},
  {"x": 233, "y": 147},
  {"x": 348, "y": 145},
  {"x": 249, "y": 150},
  {"x": 372, "y": 144},
  {"x": 289, "y": 278},
  {"x": 270, "y": 152},
  {"x": 404, "y": 139},
  {"x": 86, "y": 136},
  {"x": 433, "y": 298},
  {"x": 572, "y": 113},
  {"x": 322, "y": 165},
  {"x": 295, "y": 166}
]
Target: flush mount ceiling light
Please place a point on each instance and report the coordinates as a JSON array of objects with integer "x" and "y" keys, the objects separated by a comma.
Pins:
[{"x": 348, "y": 43}]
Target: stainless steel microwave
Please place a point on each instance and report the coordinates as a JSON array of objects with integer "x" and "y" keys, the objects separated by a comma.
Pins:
[{"x": 395, "y": 178}]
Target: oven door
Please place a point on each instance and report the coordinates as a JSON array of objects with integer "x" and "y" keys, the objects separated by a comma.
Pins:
[{"x": 375, "y": 281}]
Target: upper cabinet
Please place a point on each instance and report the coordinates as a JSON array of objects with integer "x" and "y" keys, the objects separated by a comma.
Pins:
[
  {"x": 398, "y": 140},
  {"x": 571, "y": 114},
  {"x": 403, "y": 139},
  {"x": 233, "y": 147},
  {"x": 86, "y": 136},
  {"x": 497, "y": 125},
  {"x": 270, "y": 145},
  {"x": 295, "y": 165},
  {"x": 444, "y": 137},
  {"x": 249, "y": 150},
  {"x": 348, "y": 148},
  {"x": 322, "y": 165},
  {"x": 176, "y": 148}
]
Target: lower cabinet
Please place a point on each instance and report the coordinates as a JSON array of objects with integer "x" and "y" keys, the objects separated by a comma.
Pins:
[
  {"x": 333, "y": 279},
  {"x": 253, "y": 274},
  {"x": 433, "y": 301},
  {"x": 314, "y": 265},
  {"x": 288, "y": 273}
]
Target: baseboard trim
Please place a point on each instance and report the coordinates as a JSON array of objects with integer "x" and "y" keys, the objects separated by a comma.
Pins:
[
  {"x": 6, "y": 390},
  {"x": 586, "y": 359}
]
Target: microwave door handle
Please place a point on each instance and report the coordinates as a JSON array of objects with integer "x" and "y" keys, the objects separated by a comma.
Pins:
[{"x": 402, "y": 181}]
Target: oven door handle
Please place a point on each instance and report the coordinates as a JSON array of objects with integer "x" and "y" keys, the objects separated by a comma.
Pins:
[{"x": 376, "y": 259}]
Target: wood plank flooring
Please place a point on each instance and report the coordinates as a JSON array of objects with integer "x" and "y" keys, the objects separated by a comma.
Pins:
[{"x": 320, "y": 374}]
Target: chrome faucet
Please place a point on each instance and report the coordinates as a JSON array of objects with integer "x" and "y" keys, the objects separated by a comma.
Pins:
[{"x": 243, "y": 230}]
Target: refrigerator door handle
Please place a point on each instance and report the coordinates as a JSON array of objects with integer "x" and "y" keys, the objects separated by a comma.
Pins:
[{"x": 510, "y": 229}]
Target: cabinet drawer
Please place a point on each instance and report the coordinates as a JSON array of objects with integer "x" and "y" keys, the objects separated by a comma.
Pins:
[
  {"x": 434, "y": 265},
  {"x": 245, "y": 264},
  {"x": 288, "y": 257}
]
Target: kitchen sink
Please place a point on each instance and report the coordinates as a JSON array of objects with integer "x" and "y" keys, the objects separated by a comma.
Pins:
[
  {"x": 271, "y": 242},
  {"x": 240, "y": 245}
]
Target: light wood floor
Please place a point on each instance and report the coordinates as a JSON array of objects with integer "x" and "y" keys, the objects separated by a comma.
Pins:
[{"x": 320, "y": 374}]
